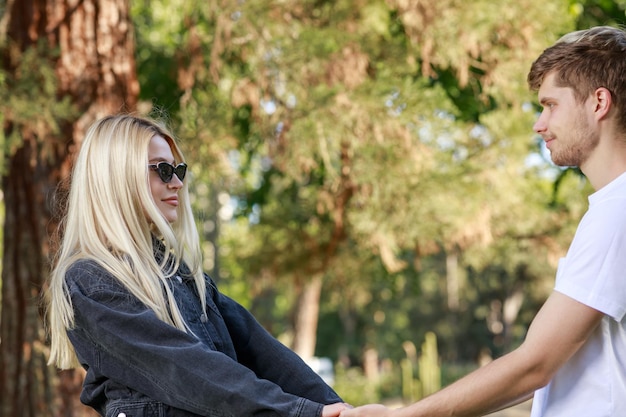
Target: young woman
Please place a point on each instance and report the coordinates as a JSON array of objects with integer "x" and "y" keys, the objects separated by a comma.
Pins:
[{"x": 128, "y": 300}]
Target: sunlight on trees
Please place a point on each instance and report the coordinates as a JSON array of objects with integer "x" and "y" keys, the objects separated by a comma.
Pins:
[
  {"x": 364, "y": 172},
  {"x": 382, "y": 147}
]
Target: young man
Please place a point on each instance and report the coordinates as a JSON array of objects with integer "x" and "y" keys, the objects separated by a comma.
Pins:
[{"x": 574, "y": 356}]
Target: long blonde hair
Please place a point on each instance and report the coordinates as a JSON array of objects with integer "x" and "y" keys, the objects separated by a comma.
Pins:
[{"x": 111, "y": 219}]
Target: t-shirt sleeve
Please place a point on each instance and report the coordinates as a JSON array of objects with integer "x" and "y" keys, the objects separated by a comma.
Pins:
[{"x": 594, "y": 270}]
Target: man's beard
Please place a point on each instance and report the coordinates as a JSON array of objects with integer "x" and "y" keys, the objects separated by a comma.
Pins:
[{"x": 576, "y": 149}]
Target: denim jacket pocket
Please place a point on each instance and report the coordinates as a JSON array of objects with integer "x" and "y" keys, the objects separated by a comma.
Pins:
[
  {"x": 134, "y": 408},
  {"x": 144, "y": 408}
]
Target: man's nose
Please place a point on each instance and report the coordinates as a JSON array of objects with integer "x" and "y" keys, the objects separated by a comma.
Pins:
[{"x": 540, "y": 125}]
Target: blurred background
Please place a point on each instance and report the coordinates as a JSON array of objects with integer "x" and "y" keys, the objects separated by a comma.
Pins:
[{"x": 364, "y": 172}]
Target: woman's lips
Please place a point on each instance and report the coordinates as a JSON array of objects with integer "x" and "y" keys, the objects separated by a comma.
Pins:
[{"x": 172, "y": 201}]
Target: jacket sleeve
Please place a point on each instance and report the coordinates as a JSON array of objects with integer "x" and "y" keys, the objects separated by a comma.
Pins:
[
  {"x": 261, "y": 352},
  {"x": 124, "y": 341}
]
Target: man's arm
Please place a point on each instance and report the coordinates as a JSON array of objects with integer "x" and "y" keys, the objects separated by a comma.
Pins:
[{"x": 560, "y": 328}]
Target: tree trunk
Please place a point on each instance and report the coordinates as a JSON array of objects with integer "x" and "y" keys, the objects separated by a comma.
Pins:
[
  {"x": 452, "y": 279},
  {"x": 307, "y": 315},
  {"x": 95, "y": 68},
  {"x": 308, "y": 306}
]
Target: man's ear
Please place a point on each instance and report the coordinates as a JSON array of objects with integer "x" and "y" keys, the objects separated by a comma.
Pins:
[{"x": 602, "y": 101}]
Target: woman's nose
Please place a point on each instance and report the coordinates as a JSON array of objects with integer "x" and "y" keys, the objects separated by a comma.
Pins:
[{"x": 175, "y": 182}]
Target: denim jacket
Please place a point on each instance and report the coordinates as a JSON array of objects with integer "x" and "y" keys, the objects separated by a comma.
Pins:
[{"x": 139, "y": 366}]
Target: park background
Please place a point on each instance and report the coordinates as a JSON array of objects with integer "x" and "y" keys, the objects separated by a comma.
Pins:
[{"x": 364, "y": 173}]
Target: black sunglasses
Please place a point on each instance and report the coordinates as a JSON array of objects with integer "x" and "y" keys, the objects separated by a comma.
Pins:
[{"x": 166, "y": 171}]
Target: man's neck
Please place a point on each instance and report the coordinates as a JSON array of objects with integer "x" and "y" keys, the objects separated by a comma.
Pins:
[{"x": 607, "y": 162}]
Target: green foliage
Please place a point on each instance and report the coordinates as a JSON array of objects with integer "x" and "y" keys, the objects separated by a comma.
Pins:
[
  {"x": 396, "y": 384},
  {"x": 598, "y": 12},
  {"x": 29, "y": 103},
  {"x": 371, "y": 142},
  {"x": 354, "y": 387},
  {"x": 429, "y": 369},
  {"x": 159, "y": 36}
]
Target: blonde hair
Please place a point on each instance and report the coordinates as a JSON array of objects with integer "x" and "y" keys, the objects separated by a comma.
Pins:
[{"x": 111, "y": 219}]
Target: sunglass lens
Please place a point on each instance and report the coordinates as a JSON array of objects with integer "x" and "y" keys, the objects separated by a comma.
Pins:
[
  {"x": 165, "y": 171},
  {"x": 180, "y": 171}
]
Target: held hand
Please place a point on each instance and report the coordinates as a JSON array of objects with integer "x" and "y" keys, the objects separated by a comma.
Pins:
[
  {"x": 333, "y": 410},
  {"x": 371, "y": 410}
]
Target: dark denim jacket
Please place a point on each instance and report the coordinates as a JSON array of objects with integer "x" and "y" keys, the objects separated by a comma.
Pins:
[{"x": 139, "y": 366}]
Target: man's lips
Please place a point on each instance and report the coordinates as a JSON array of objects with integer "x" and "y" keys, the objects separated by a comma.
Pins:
[{"x": 548, "y": 142}]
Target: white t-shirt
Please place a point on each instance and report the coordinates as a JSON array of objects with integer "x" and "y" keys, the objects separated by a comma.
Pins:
[{"x": 593, "y": 382}]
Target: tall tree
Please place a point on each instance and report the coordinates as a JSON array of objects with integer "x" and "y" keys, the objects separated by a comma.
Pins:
[
  {"x": 384, "y": 125},
  {"x": 356, "y": 127},
  {"x": 368, "y": 130},
  {"x": 56, "y": 55}
]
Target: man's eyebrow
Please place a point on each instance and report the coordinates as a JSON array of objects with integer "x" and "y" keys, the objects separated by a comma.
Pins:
[{"x": 543, "y": 100}]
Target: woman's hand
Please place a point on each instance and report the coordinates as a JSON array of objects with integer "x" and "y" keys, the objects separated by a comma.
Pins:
[
  {"x": 371, "y": 410},
  {"x": 333, "y": 410}
]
